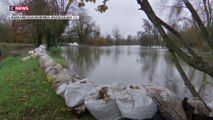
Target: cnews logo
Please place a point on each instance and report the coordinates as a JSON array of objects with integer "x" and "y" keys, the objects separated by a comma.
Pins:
[{"x": 19, "y": 8}]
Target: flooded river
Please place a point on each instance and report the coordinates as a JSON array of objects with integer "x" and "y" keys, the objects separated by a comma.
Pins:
[{"x": 134, "y": 65}]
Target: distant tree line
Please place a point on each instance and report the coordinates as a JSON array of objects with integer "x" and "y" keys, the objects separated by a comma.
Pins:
[{"x": 85, "y": 31}]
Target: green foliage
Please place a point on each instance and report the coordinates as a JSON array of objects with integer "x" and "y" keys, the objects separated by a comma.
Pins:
[
  {"x": 204, "y": 82},
  {"x": 193, "y": 37},
  {"x": 101, "y": 8},
  {"x": 26, "y": 94},
  {"x": 55, "y": 51},
  {"x": 100, "y": 41},
  {"x": 4, "y": 31}
]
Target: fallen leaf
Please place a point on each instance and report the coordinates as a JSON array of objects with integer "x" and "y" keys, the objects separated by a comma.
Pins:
[
  {"x": 24, "y": 98},
  {"x": 63, "y": 109},
  {"x": 59, "y": 118}
]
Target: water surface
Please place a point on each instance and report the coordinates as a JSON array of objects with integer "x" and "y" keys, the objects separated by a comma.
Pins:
[{"x": 133, "y": 65}]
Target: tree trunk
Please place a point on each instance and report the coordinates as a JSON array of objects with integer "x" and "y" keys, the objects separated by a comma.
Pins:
[
  {"x": 196, "y": 62},
  {"x": 185, "y": 78},
  {"x": 48, "y": 39},
  {"x": 206, "y": 32},
  {"x": 39, "y": 37}
]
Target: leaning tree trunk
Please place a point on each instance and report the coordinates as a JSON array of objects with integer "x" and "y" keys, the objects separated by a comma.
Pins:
[
  {"x": 185, "y": 78},
  {"x": 206, "y": 33},
  {"x": 193, "y": 59}
]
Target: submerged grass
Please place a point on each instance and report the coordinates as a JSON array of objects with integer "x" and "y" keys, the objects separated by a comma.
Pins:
[{"x": 26, "y": 94}]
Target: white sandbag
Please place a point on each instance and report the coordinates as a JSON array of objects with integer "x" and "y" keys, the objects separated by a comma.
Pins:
[
  {"x": 41, "y": 48},
  {"x": 75, "y": 78},
  {"x": 168, "y": 102},
  {"x": 42, "y": 55},
  {"x": 39, "y": 51},
  {"x": 135, "y": 104},
  {"x": 26, "y": 58},
  {"x": 101, "y": 103},
  {"x": 48, "y": 63},
  {"x": 199, "y": 107},
  {"x": 31, "y": 52},
  {"x": 43, "y": 59},
  {"x": 59, "y": 78},
  {"x": 54, "y": 69},
  {"x": 76, "y": 93},
  {"x": 66, "y": 81},
  {"x": 61, "y": 88},
  {"x": 210, "y": 105},
  {"x": 118, "y": 86},
  {"x": 34, "y": 55}
]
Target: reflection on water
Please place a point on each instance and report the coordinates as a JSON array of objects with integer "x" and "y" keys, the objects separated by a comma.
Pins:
[{"x": 133, "y": 64}]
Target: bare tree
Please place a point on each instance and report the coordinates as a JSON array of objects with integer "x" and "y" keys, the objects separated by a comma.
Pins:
[
  {"x": 84, "y": 28},
  {"x": 200, "y": 18},
  {"x": 116, "y": 34}
]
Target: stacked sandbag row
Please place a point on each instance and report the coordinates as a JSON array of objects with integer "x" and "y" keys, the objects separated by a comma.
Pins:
[
  {"x": 104, "y": 102},
  {"x": 69, "y": 86},
  {"x": 110, "y": 102}
]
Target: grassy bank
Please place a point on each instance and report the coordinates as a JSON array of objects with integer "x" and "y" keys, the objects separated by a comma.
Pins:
[{"x": 26, "y": 94}]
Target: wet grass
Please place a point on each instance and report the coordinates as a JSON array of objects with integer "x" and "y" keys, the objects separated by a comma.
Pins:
[{"x": 26, "y": 94}]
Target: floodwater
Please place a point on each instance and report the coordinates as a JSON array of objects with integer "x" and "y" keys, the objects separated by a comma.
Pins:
[{"x": 134, "y": 65}]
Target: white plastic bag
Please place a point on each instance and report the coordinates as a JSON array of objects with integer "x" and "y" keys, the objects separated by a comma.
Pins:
[
  {"x": 76, "y": 93},
  {"x": 135, "y": 104},
  {"x": 102, "y": 108}
]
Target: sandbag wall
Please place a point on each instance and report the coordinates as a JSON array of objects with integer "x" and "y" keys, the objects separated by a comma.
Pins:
[{"x": 109, "y": 102}]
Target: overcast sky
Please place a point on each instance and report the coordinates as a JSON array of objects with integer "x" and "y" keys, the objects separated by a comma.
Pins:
[{"x": 123, "y": 14}]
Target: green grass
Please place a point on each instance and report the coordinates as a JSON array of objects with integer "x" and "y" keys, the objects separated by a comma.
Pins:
[
  {"x": 26, "y": 94},
  {"x": 55, "y": 54}
]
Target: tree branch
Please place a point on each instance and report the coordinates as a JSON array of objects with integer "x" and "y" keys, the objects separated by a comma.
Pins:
[
  {"x": 180, "y": 38},
  {"x": 199, "y": 22},
  {"x": 185, "y": 78},
  {"x": 197, "y": 62}
]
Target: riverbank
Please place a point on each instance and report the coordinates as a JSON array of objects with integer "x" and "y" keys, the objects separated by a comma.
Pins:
[
  {"x": 14, "y": 49},
  {"x": 26, "y": 94}
]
